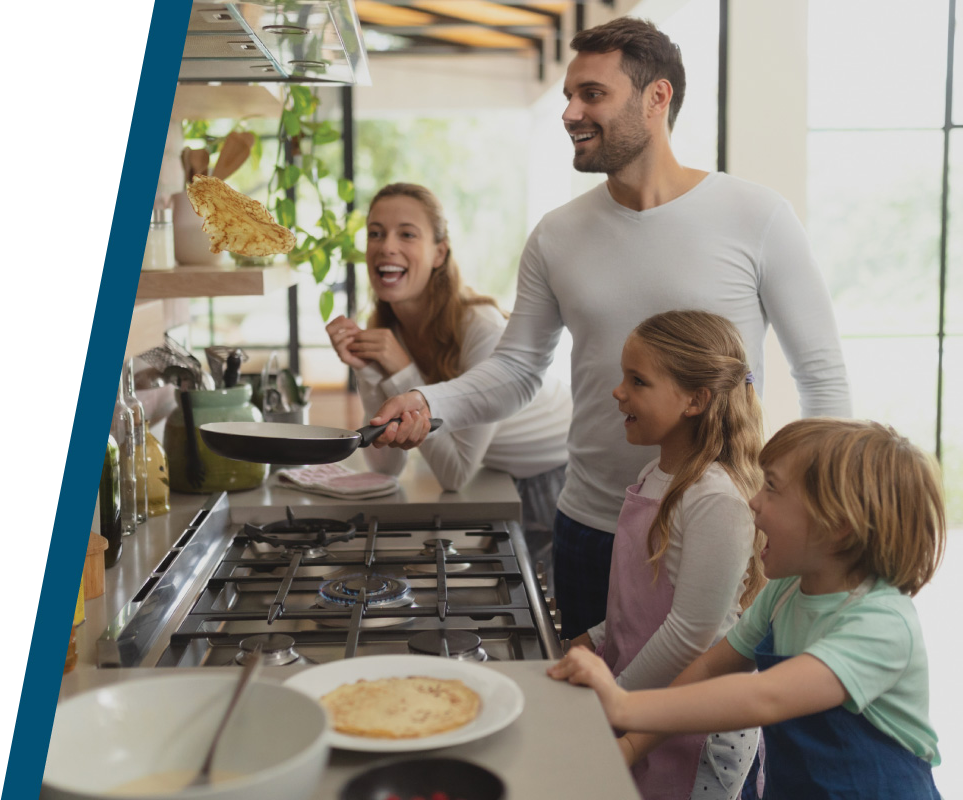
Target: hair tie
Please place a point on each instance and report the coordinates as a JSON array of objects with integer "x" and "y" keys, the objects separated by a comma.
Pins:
[{"x": 749, "y": 377}]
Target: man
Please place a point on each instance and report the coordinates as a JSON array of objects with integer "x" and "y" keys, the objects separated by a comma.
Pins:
[{"x": 655, "y": 236}]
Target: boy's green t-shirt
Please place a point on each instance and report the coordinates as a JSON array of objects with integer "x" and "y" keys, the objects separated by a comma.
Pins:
[{"x": 874, "y": 645}]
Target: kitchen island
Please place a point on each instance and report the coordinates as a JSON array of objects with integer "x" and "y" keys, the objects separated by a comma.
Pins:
[{"x": 560, "y": 746}]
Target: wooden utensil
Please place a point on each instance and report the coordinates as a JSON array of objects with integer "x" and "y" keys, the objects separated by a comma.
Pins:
[
  {"x": 235, "y": 151},
  {"x": 195, "y": 161}
]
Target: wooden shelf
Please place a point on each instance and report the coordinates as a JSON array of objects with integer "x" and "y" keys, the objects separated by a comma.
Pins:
[
  {"x": 214, "y": 281},
  {"x": 150, "y": 320},
  {"x": 227, "y": 101}
]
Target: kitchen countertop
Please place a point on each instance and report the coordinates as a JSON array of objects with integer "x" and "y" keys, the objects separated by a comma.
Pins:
[{"x": 560, "y": 746}]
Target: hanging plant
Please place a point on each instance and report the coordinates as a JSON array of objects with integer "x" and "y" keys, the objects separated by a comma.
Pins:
[{"x": 301, "y": 166}]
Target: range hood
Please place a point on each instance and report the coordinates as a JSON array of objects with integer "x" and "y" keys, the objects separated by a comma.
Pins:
[{"x": 289, "y": 41}]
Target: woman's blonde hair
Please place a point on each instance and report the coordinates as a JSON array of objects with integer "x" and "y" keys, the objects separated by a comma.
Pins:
[
  {"x": 702, "y": 350},
  {"x": 882, "y": 492},
  {"x": 440, "y": 331}
]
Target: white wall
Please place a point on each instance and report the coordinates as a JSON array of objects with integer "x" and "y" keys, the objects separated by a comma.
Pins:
[{"x": 767, "y": 134}]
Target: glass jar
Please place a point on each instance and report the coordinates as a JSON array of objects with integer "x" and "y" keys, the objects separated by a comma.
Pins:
[
  {"x": 159, "y": 252},
  {"x": 218, "y": 473},
  {"x": 158, "y": 483}
]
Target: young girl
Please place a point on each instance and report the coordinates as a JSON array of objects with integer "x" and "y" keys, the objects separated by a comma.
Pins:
[
  {"x": 426, "y": 327},
  {"x": 683, "y": 552},
  {"x": 853, "y": 515}
]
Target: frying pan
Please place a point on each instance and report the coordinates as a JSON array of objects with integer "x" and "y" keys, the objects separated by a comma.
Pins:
[
  {"x": 426, "y": 778},
  {"x": 288, "y": 442}
]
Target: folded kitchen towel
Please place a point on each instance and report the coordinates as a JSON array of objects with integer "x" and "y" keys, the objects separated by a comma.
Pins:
[{"x": 334, "y": 480}]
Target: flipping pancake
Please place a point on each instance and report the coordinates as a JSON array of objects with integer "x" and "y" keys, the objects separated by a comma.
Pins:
[
  {"x": 401, "y": 708},
  {"x": 235, "y": 222}
]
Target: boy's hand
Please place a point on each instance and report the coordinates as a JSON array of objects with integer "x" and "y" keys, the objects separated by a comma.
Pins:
[{"x": 583, "y": 667}]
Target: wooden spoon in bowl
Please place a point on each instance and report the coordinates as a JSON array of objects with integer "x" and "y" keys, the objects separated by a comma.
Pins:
[{"x": 235, "y": 151}]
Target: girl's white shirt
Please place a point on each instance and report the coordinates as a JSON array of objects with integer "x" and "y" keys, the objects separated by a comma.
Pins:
[{"x": 710, "y": 543}]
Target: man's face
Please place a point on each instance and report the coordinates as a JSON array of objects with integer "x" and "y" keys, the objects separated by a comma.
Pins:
[{"x": 605, "y": 115}]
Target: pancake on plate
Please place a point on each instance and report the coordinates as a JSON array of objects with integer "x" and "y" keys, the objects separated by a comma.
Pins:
[
  {"x": 235, "y": 222},
  {"x": 401, "y": 708}
]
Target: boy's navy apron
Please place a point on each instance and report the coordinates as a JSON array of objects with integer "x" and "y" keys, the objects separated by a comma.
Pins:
[{"x": 836, "y": 754}]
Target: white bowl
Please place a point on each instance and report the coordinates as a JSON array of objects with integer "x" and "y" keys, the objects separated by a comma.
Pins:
[{"x": 276, "y": 744}]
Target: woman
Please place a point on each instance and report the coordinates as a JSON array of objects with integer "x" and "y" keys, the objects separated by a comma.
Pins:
[{"x": 427, "y": 327}]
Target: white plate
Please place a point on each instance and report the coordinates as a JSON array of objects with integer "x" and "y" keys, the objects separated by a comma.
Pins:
[{"x": 501, "y": 698}]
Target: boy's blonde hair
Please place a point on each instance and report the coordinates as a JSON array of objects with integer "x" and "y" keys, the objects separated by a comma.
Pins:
[
  {"x": 700, "y": 350},
  {"x": 865, "y": 479}
]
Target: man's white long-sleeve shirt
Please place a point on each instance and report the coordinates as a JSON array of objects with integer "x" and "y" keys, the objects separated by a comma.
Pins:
[{"x": 598, "y": 268}]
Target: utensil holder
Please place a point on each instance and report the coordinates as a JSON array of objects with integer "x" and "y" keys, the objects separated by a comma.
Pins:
[{"x": 220, "y": 474}]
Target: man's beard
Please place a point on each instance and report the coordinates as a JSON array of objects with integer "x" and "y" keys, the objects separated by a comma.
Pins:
[{"x": 624, "y": 141}]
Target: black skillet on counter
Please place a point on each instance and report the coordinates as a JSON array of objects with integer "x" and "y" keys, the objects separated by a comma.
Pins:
[
  {"x": 426, "y": 778},
  {"x": 288, "y": 442}
]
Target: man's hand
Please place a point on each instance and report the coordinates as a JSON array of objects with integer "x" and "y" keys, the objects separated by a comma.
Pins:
[{"x": 412, "y": 409}]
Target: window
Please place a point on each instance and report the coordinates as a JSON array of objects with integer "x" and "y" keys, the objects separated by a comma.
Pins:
[{"x": 885, "y": 160}]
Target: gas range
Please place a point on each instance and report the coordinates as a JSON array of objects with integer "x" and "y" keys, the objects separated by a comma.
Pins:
[{"x": 319, "y": 583}]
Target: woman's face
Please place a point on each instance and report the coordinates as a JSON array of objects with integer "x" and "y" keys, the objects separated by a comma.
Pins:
[{"x": 401, "y": 252}]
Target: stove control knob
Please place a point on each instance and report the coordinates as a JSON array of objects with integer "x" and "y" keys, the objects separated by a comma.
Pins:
[{"x": 542, "y": 576}]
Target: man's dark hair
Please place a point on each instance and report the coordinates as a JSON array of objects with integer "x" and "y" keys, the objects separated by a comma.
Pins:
[{"x": 647, "y": 55}]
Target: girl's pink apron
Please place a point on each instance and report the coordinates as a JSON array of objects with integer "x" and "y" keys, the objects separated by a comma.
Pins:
[{"x": 636, "y": 609}]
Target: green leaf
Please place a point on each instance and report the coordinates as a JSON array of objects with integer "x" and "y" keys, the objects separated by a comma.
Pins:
[
  {"x": 257, "y": 150},
  {"x": 325, "y": 133},
  {"x": 352, "y": 255},
  {"x": 288, "y": 177},
  {"x": 345, "y": 190},
  {"x": 354, "y": 222},
  {"x": 320, "y": 264},
  {"x": 329, "y": 222},
  {"x": 326, "y": 304},
  {"x": 291, "y": 121},
  {"x": 303, "y": 101},
  {"x": 285, "y": 212}
]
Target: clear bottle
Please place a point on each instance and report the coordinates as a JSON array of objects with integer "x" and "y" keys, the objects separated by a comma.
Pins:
[
  {"x": 79, "y": 616},
  {"x": 109, "y": 499},
  {"x": 140, "y": 440},
  {"x": 122, "y": 429},
  {"x": 158, "y": 484}
]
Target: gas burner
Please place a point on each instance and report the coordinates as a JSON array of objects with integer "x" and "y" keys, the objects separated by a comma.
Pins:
[
  {"x": 432, "y": 546},
  {"x": 380, "y": 592},
  {"x": 430, "y": 549},
  {"x": 277, "y": 649},
  {"x": 461, "y": 645},
  {"x": 308, "y": 536}
]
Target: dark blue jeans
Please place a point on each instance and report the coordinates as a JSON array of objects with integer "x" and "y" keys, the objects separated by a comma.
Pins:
[{"x": 582, "y": 558}]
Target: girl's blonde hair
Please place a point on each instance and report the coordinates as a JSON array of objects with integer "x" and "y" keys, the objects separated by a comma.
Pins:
[
  {"x": 865, "y": 480},
  {"x": 440, "y": 330},
  {"x": 702, "y": 350}
]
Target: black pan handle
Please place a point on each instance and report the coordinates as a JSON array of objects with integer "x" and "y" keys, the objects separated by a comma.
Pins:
[{"x": 371, "y": 432}]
